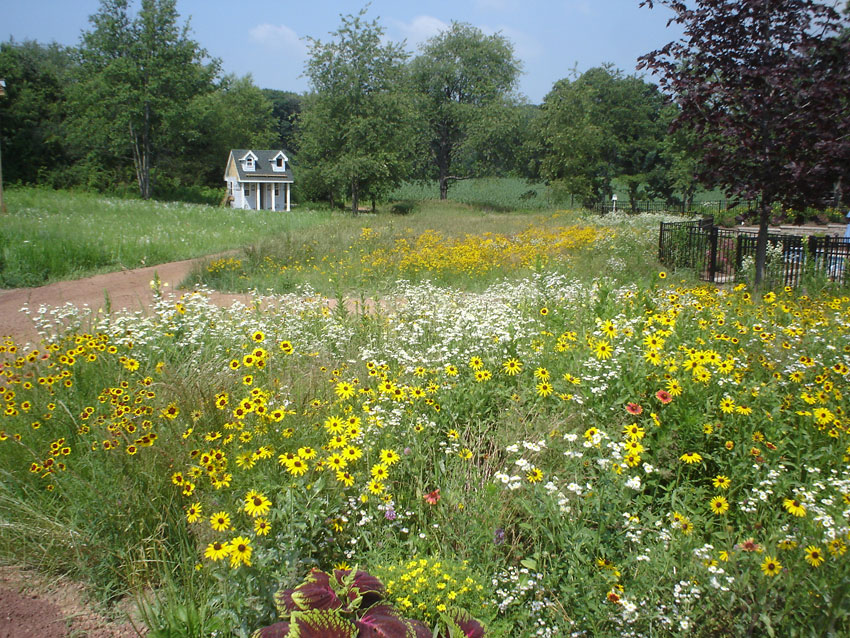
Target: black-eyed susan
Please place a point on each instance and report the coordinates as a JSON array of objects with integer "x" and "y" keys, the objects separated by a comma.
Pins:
[
  {"x": 512, "y": 367},
  {"x": 262, "y": 527},
  {"x": 220, "y": 521},
  {"x": 770, "y": 566},
  {"x": 216, "y": 551},
  {"x": 239, "y": 550},
  {"x": 721, "y": 482},
  {"x": 193, "y": 512},
  {"x": 814, "y": 556},
  {"x": 256, "y": 504},
  {"x": 534, "y": 475},
  {"x": 719, "y": 505},
  {"x": 544, "y": 389},
  {"x": 794, "y": 507},
  {"x": 389, "y": 457},
  {"x": 691, "y": 457}
]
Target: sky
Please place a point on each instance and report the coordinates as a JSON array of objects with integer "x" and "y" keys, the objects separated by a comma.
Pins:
[{"x": 266, "y": 38}]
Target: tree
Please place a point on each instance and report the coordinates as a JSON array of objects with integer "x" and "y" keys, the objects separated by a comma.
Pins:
[
  {"x": 463, "y": 79},
  {"x": 601, "y": 126},
  {"x": 33, "y": 110},
  {"x": 286, "y": 106},
  {"x": 355, "y": 129},
  {"x": 236, "y": 115},
  {"x": 137, "y": 79},
  {"x": 764, "y": 86}
]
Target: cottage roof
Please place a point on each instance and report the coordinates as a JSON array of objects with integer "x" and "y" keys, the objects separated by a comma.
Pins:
[{"x": 265, "y": 164}]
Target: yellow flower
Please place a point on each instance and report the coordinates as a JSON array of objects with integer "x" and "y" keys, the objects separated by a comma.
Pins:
[
  {"x": 256, "y": 504},
  {"x": 240, "y": 550},
  {"x": 261, "y": 527},
  {"x": 770, "y": 566},
  {"x": 814, "y": 556},
  {"x": 220, "y": 521},
  {"x": 193, "y": 513},
  {"x": 691, "y": 457},
  {"x": 719, "y": 505},
  {"x": 794, "y": 507},
  {"x": 216, "y": 551}
]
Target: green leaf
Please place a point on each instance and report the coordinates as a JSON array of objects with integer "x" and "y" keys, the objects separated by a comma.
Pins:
[{"x": 320, "y": 623}]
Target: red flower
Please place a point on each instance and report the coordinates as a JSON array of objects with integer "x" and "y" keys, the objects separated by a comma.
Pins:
[
  {"x": 634, "y": 408},
  {"x": 663, "y": 396},
  {"x": 432, "y": 497}
]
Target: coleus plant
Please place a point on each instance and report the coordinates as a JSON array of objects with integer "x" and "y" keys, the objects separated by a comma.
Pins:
[{"x": 352, "y": 604}]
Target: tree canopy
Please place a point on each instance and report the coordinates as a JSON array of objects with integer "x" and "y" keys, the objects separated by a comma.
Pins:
[
  {"x": 764, "y": 87},
  {"x": 463, "y": 80},
  {"x": 355, "y": 129},
  {"x": 137, "y": 76}
]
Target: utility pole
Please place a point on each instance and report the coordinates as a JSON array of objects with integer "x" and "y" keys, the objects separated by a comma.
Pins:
[{"x": 2, "y": 201}]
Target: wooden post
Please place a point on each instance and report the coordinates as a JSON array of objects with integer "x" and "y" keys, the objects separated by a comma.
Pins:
[{"x": 2, "y": 201}]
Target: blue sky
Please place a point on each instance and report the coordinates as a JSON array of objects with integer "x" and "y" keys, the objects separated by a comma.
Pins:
[{"x": 265, "y": 37}]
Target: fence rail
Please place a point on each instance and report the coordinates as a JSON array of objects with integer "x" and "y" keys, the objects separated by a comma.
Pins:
[{"x": 718, "y": 254}]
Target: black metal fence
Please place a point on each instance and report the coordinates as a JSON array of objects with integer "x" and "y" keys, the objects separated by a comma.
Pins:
[{"x": 718, "y": 254}]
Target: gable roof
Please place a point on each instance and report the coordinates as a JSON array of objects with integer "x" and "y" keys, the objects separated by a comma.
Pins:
[{"x": 264, "y": 170}]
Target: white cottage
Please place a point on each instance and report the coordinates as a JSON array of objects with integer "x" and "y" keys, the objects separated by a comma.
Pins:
[{"x": 258, "y": 180}]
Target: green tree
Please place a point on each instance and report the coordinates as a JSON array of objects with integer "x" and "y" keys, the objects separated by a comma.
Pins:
[
  {"x": 138, "y": 77},
  {"x": 286, "y": 107},
  {"x": 236, "y": 115},
  {"x": 355, "y": 129},
  {"x": 33, "y": 110},
  {"x": 463, "y": 81},
  {"x": 599, "y": 127}
]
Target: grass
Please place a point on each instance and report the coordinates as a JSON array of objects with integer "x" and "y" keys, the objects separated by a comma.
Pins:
[
  {"x": 55, "y": 235},
  {"x": 494, "y": 193}
]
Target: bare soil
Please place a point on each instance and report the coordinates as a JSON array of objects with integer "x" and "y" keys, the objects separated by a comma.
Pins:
[{"x": 36, "y": 606}]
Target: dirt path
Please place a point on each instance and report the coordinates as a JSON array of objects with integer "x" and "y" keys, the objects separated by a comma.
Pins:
[
  {"x": 127, "y": 289},
  {"x": 34, "y": 606}
]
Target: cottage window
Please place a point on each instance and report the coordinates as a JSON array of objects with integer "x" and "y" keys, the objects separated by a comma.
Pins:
[
  {"x": 246, "y": 190},
  {"x": 277, "y": 190},
  {"x": 279, "y": 162},
  {"x": 249, "y": 163}
]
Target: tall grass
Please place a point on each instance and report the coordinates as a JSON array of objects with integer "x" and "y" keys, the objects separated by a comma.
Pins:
[
  {"x": 442, "y": 242},
  {"x": 54, "y": 235},
  {"x": 495, "y": 193}
]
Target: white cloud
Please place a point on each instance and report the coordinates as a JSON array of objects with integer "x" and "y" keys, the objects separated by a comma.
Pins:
[
  {"x": 278, "y": 37},
  {"x": 420, "y": 28}
]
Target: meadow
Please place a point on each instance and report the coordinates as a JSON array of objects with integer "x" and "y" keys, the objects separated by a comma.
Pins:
[
  {"x": 52, "y": 235},
  {"x": 537, "y": 428}
]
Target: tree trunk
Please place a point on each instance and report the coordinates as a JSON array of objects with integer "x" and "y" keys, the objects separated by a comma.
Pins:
[
  {"x": 444, "y": 186},
  {"x": 355, "y": 195},
  {"x": 761, "y": 240}
]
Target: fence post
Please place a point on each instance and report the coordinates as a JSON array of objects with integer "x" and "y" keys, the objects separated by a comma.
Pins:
[{"x": 712, "y": 260}]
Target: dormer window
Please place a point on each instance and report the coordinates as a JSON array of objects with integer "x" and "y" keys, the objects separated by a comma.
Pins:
[
  {"x": 278, "y": 162},
  {"x": 249, "y": 163}
]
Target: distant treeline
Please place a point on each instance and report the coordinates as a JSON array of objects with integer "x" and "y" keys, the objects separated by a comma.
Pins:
[{"x": 139, "y": 106}]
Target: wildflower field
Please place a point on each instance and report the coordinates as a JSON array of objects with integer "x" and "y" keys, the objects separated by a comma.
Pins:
[{"x": 582, "y": 445}]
